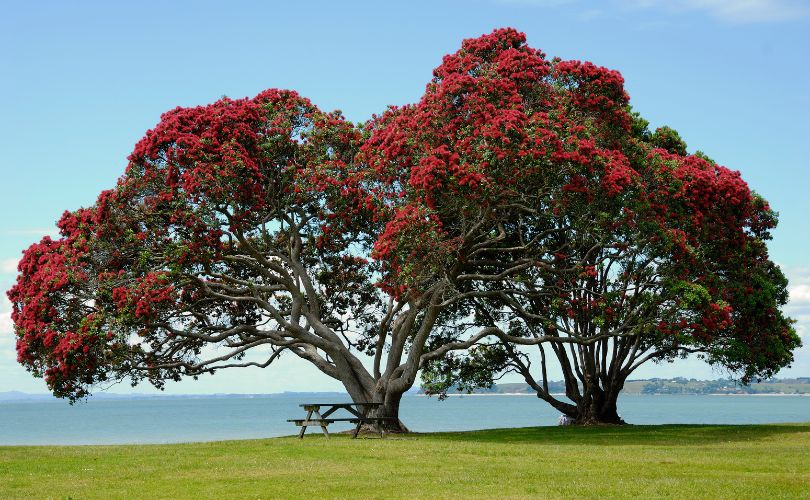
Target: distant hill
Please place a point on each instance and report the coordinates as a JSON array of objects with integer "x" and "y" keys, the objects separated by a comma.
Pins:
[
  {"x": 677, "y": 385},
  {"x": 680, "y": 385},
  {"x": 20, "y": 396}
]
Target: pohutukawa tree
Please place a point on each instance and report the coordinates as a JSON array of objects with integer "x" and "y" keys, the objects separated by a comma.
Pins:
[
  {"x": 238, "y": 233},
  {"x": 518, "y": 203},
  {"x": 556, "y": 220}
]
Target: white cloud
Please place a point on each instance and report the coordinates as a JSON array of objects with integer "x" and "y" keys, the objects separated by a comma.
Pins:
[
  {"x": 6, "y": 327},
  {"x": 798, "y": 306},
  {"x": 9, "y": 266},
  {"x": 7, "y": 338},
  {"x": 6, "y": 330},
  {"x": 800, "y": 295},
  {"x": 801, "y": 330},
  {"x": 796, "y": 273},
  {"x": 799, "y": 290},
  {"x": 733, "y": 11}
]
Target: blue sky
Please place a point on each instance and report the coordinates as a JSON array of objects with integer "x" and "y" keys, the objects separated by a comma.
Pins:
[{"x": 80, "y": 83}]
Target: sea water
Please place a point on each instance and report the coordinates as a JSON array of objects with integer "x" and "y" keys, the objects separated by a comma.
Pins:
[{"x": 171, "y": 420}]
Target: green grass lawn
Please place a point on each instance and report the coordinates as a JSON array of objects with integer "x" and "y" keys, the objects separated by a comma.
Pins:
[{"x": 756, "y": 461}]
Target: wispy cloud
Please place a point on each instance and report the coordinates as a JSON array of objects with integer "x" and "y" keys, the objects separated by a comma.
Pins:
[
  {"x": 6, "y": 326},
  {"x": 798, "y": 306},
  {"x": 8, "y": 266},
  {"x": 732, "y": 11},
  {"x": 800, "y": 295}
]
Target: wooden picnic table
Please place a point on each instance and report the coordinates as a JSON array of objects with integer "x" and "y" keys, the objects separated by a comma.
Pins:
[{"x": 323, "y": 419}]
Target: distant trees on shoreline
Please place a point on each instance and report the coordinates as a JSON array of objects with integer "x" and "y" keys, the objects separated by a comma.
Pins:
[{"x": 676, "y": 385}]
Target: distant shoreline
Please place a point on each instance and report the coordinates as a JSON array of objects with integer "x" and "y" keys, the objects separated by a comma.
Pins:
[{"x": 22, "y": 397}]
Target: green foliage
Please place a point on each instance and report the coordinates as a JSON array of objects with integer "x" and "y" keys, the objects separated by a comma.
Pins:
[
  {"x": 476, "y": 369},
  {"x": 704, "y": 156},
  {"x": 639, "y": 126},
  {"x": 669, "y": 139},
  {"x": 692, "y": 295}
]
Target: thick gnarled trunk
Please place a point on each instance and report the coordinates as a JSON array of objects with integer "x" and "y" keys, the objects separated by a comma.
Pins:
[
  {"x": 389, "y": 411},
  {"x": 363, "y": 389},
  {"x": 597, "y": 407},
  {"x": 594, "y": 407}
]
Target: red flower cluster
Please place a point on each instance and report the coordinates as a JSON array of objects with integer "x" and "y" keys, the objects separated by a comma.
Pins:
[
  {"x": 149, "y": 292},
  {"x": 58, "y": 333}
]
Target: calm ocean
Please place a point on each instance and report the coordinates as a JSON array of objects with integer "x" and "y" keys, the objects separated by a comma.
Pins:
[{"x": 168, "y": 420}]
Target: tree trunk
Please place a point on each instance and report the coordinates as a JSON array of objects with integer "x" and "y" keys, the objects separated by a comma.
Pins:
[
  {"x": 380, "y": 393},
  {"x": 597, "y": 410},
  {"x": 597, "y": 405},
  {"x": 390, "y": 410}
]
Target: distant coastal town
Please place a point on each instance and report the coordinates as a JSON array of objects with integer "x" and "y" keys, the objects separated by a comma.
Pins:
[{"x": 677, "y": 385}]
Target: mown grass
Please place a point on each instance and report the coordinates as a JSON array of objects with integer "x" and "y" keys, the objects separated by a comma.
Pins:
[{"x": 709, "y": 461}]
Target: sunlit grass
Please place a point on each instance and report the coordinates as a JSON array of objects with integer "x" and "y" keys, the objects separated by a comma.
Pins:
[{"x": 753, "y": 461}]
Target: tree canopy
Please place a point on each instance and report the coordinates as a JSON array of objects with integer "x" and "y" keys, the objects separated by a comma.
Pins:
[
  {"x": 240, "y": 231},
  {"x": 521, "y": 202},
  {"x": 611, "y": 245}
]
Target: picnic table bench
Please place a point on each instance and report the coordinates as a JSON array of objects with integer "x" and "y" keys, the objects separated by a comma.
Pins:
[{"x": 324, "y": 419}]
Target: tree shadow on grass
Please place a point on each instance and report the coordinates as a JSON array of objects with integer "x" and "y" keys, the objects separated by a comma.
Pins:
[{"x": 608, "y": 435}]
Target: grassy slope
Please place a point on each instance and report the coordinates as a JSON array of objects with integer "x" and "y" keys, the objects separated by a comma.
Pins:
[{"x": 764, "y": 461}]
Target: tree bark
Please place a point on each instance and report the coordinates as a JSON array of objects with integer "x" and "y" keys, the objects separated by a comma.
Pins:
[
  {"x": 360, "y": 389},
  {"x": 597, "y": 405},
  {"x": 597, "y": 409},
  {"x": 390, "y": 409}
]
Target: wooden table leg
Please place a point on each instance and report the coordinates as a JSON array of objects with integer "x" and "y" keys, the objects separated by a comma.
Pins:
[
  {"x": 357, "y": 429},
  {"x": 323, "y": 424},
  {"x": 304, "y": 425}
]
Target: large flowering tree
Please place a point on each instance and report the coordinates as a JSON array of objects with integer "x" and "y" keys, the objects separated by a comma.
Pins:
[
  {"x": 555, "y": 219},
  {"x": 239, "y": 232},
  {"x": 518, "y": 203}
]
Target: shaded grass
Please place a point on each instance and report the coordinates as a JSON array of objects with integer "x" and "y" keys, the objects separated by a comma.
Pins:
[{"x": 756, "y": 461}]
